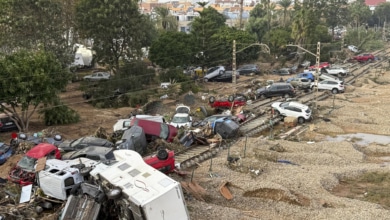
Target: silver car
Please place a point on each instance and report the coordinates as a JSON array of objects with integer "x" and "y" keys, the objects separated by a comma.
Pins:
[{"x": 97, "y": 76}]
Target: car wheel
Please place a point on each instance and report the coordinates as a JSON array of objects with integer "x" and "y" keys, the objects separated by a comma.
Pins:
[
  {"x": 335, "y": 91},
  {"x": 212, "y": 99},
  {"x": 262, "y": 96},
  {"x": 85, "y": 171},
  {"x": 301, "y": 120},
  {"x": 205, "y": 80},
  {"x": 162, "y": 154},
  {"x": 231, "y": 98},
  {"x": 286, "y": 95},
  {"x": 114, "y": 193},
  {"x": 75, "y": 189},
  {"x": 369, "y": 60},
  {"x": 277, "y": 112},
  {"x": 204, "y": 110}
]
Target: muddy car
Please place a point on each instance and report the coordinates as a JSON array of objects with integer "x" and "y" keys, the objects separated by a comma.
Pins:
[
  {"x": 83, "y": 142},
  {"x": 133, "y": 139},
  {"x": 24, "y": 171}
]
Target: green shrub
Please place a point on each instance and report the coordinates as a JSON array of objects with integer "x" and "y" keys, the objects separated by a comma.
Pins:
[{"x": 59, "y": 115}]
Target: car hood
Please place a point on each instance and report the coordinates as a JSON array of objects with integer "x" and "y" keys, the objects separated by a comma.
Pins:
[
  {"x": 65, "y": 144},
  {"x": 275, "y": 104},
  {"x": 261, "y": 90},
  {"x": 183, "y": 109}
]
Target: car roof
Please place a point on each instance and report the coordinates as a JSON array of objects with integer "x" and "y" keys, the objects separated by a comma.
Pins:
[
  {"x": 297, "y": 104},
  {"x": 40, "y": 150},
  {"x": 94, "y": 140}
]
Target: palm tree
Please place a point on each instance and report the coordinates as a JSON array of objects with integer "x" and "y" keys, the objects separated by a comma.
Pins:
[
  {"x": 165, "y": 20},
  {"x": 285, "y": 5}
]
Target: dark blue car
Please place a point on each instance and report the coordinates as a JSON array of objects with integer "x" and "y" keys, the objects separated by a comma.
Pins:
[{"x": 6, "y": 152}]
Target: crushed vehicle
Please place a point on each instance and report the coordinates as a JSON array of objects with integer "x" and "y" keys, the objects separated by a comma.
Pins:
[
  {"x": 336, "y": 71},
  {"x": 97, "y": 153},
  {"x": 300, "y": 83},
  {"x": 227, "y": 103},
  {"x": 306, "y": 74},
  {"x": 155, "y": 129},
  {"x": 366, "y": 57},
  {"x": 163, "y": 160},
  {"x": 213, "y": 72},
  {"x": 133, "y": 139},
  {"x": 282, "y": 71},
  {"x": 292, "y": 109},
  {"x": 6, "y": 123},
  {"x": 249, "y": 69},
  {"x": 123, "y": 124},
  {"x": 285, "y": 90},
  {"x": 24, "y": 171},
  {"x": 225, "y": 127},
  {"x": 132, "y": 188},
  {"x": 226, "y": 76},
  {"x": 83, "y": 142},
  {"x": 6, "y": 151},
  {"x": 321, "y": 66},
  {"x": 34, "y": 139},
  {"x": 210, "y": 119},
  {"x": 335, "y": 86},
  {"x": 182, "y": 117},
  {"x": 60, "y": 176}
]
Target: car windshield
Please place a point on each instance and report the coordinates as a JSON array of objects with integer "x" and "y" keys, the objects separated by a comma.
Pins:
[
  {"x": 307, "y": 110},
  {"x": 27, "y": 163},
  {"x": 76, "y": 142},
  {"x": 3, "y": 148},
  {"x": 284, "y": 104},
  {"x": 164, "y": 131},
  {"x": 180, "y": 119}
]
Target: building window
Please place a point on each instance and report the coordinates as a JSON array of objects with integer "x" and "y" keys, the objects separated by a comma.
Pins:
[{"x": 182, "y": 29}]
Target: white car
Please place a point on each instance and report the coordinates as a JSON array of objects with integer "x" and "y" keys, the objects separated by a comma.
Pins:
[
  {"x": 336, "y": 86},
  {"x": 293, "y": 109},
  {"x": 182, "y": 117},
  {"x": 97, "y": 76},
  {"x": 336, "y": 71},
  {"x": 213, "y": 72},
  {"x": 353, "y": 48}
]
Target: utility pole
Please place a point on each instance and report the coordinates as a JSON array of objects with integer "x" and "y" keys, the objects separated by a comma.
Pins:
[
  {"x": 384, "y": 31},
  {"x": 241, "y": 9},
  {"x": 265, "y": 46},
  {"x": 234, "y": 81}
]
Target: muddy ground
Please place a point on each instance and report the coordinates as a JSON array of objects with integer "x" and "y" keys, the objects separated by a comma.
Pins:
[{"x": 274, "y": 178}]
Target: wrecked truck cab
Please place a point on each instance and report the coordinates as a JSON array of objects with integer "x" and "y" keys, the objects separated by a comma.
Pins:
[
  {"x": 137, "y": 190},
  {"x": 60, "y": 176}
]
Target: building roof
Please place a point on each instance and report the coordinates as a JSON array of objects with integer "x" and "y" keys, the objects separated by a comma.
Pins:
[{"x": 374, "y": 2}]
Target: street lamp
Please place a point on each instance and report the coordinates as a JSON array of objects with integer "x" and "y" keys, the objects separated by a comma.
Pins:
[{"x": 267, "y": 50}]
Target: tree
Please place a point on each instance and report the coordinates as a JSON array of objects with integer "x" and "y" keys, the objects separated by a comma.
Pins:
[
  {"x": 285, "y": 5},
  {"x": 335, "y": 13},
  {"x": 164, "y": 20},
  {"x": 257, "y": 23},
  {"x": 304, "y": 24},
  {"x": 203, "y": 28},
  {"x": 383, "y": 12},
  {"x": 172, "y": 49},
  {"x": 359, "y": 12},
  {"x": 117, "y": 28},
  {"x": 35, "y": 25},
  {"x": 222, "y": 44},
  {"x": 27, "y": 80},
  {"x": 277, "y": 39}
]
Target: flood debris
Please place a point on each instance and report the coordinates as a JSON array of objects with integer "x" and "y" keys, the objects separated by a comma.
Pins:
[{"x": 224, "y": 190}]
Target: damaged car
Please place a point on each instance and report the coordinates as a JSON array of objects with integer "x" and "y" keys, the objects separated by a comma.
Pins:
[
  {"x": 133, "y": 139},
  {"x": 182, "y": 117},
  {"x": 97, "y": 153},
  {"x": 155, "y": 129},
  {"x": 24, "y": 171},
  {"x": 227, "y": 103},
  {"x": 83, "y": 142}
]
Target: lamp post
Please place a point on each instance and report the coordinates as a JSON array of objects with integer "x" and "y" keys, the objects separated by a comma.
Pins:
[
  {"x": 317, "y": 55},
  {"x": 234, "y": 75}
]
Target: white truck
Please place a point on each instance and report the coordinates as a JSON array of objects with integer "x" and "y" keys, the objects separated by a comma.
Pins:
[
  {"x": 60, "y": 176},
  {"x": 134, "y": 189}
]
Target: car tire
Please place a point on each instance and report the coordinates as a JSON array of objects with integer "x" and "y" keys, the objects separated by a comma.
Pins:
[
  {"x": 75, "y": 189},
  {"x": 162, "y": 154},
  {"x": 231, "y": 98},
  {"x": 369, "y": 60},
  {"x": 205, "y": 80},
  {"x": 286, "y": 95},
  {"x": 301, "y": 120},
  {"x": 262, "y": 96},
  {"x": 85, "y": 171},
  {"x": 276, "y": 112},
  {"x": 212, "y": 99},
  {"x": 114, "y": 193},
  {"x": 335, "y": 91},
  {"x": 220, "y": 72}
]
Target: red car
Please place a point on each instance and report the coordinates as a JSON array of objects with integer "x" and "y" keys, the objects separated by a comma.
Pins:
[
  {"x": 24, "y": 171},
  {"x": 155, "y": 129},
  {"x": 163, "y": 161},
  {"x": 227, "y": 103},
  {"x": 367, "y": 57},
  {"x": 321, "y": 65}
]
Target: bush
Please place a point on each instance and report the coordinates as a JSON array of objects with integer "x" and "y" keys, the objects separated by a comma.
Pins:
[{"x": 59, "y": 115}]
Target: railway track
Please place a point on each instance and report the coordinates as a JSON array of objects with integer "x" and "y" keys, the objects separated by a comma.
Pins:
[{"x": 263, "y": 121}]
